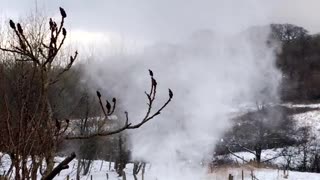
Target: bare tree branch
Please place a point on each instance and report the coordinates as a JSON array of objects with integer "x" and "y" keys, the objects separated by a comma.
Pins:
[
  {"x": 234, "y": 154},
  {"x": 148, "y": 116},
  {"x": 61, "y": 166}
]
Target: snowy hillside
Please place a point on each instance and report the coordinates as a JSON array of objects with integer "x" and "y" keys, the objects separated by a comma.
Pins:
[{"x": 312, "y": 119}]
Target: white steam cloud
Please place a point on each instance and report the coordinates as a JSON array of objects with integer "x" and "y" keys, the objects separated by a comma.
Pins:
[{"x": 211, "y": 71}]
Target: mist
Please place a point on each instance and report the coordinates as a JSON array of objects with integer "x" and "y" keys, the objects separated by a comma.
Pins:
[{"x": 214, "y": 57}]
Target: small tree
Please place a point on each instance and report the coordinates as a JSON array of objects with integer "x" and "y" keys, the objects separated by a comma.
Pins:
[
  {"x": 32, "y": 128},
  {"x": 266, "y": 128}
]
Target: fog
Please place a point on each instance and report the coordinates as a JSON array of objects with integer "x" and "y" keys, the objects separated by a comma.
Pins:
[{"x": 214, "y": 58}]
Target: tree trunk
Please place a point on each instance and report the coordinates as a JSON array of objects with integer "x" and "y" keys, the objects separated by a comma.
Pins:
[
  {"x": 78, "y": 170},
  {"x": 50, "y": 163},
  {"x": 143, "y": 171},
  {"x": 258, "y": 155}
]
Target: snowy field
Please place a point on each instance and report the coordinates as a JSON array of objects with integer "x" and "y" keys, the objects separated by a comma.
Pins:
[
  {"x": 261, "y": 174},
  {"x": 100, "y": 171}
]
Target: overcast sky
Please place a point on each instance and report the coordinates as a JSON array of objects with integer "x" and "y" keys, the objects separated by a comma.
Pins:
[{"x": 142, "y": 20}]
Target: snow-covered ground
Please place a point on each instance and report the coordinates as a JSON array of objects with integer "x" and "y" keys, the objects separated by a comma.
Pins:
[
  {"x": 100, "y": 171},
  {"x": 275, "y": 157},
  {"x": 290, "y": 105},
  {"x": 261, "y": 174}
]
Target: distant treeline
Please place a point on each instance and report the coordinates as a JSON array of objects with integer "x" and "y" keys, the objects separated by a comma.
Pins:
[{"x": 299, "y": 61}]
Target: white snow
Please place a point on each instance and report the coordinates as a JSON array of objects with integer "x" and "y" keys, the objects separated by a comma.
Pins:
[
  {"x": 311, "y": 119},
  {"x": 100, "y": 171},
  {"x": 261, "y": 174}
]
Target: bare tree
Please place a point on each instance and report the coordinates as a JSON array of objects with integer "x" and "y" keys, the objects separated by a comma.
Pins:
[
  {"x": 265, "y": 128},
  {"x": 137, "y": 167},
  {"x": 33, "y": 130}
]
